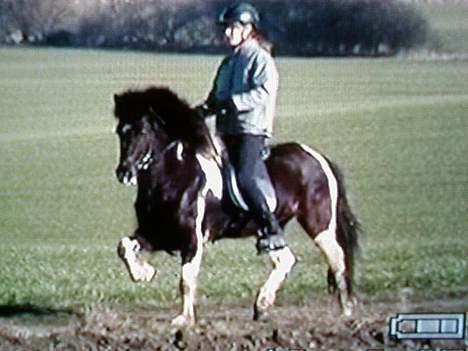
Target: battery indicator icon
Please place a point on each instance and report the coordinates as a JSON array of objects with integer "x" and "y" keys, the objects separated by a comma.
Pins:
[{"x": 407, "y": 326}]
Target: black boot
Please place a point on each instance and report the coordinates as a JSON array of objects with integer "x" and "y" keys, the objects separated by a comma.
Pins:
[{"x": 270, "y": 235}]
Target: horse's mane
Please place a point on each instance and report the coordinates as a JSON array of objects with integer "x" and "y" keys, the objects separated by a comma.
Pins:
[{"x": 174, "y": 115}]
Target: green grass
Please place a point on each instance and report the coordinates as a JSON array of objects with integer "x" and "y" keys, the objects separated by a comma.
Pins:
[{"x": 397, "y": 128}]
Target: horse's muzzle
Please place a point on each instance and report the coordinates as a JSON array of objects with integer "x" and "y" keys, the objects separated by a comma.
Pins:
[{"x": 126, "y": 175}]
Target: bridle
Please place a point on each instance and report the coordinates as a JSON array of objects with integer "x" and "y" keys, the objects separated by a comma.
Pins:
[
  {"x": 149, "y": 158},
  {"x": 145, "y": 161}
]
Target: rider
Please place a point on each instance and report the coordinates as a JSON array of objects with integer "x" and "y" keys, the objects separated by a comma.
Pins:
[{"x": 243, "y": 98}]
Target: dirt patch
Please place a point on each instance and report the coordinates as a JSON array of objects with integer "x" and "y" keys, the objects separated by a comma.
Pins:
[{"x": 314, "y": 326}]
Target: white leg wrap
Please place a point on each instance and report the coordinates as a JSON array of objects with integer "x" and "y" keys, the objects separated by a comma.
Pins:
[{"x": 283, "y": 261}]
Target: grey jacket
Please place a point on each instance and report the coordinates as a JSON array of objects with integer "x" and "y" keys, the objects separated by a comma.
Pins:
[{"x": 250, "y": 79}]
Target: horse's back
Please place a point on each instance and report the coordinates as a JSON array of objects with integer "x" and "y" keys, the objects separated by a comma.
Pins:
[
  {"x": 298, "y": 163},
  {"x": 305, "y": 184}
]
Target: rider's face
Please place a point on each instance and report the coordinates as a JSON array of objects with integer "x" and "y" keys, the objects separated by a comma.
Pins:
[{"x": 235, "y": 33}]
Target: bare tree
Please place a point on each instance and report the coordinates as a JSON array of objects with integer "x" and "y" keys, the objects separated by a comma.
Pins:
[
  {"x": 36, "y": 19},
  {"x": 304, "y": 27}
]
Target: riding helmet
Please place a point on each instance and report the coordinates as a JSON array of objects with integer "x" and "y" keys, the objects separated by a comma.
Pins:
[{"x": 242, "y": 12}]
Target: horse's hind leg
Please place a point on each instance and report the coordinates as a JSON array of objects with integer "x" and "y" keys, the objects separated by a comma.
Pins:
[
  {"x": 139, "y": 269},
  {"x": 283, "y": 261},
  {"x": 337, "y": 272}
]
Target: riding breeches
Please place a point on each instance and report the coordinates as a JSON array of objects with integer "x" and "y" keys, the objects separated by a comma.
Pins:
[{"x": 246, "y": 155}]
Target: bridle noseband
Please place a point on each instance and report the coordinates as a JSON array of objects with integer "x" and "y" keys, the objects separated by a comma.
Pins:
[
  {"x": 146, "y": 161},
  {"x": 149, "y": 158}
]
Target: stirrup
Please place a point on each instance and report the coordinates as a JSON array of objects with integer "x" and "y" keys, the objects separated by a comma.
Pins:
[{"x": 273, "y": 242}]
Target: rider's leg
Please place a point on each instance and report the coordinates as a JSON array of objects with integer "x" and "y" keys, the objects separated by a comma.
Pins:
[{"x": 246, "y": 156}]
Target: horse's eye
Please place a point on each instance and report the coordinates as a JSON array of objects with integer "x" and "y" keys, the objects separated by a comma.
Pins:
[{"x": 124, "y": 129}]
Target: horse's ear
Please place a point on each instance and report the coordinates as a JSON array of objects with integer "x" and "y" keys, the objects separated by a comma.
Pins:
[{"x": 117, "y": 105}]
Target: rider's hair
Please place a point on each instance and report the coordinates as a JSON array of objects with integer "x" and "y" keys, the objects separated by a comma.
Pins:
[{"x": 261, "y": 37}]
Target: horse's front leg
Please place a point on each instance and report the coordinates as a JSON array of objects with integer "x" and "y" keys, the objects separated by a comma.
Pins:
[
  {"x": 139, "y": 269},
  {"x": 188, "y": 290},
  {"x": 283, "y": 261},
  {"x": 191, "y": 262}
]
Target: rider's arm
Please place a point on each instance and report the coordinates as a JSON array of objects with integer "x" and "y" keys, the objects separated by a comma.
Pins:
[{"x": 264, "y": 83}]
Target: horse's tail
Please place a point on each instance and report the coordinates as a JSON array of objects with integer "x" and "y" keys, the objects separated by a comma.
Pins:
[{"x": 348, "y": 231}]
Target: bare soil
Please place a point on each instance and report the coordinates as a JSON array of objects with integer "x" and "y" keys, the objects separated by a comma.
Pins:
[{"x": 313, "y": 326}]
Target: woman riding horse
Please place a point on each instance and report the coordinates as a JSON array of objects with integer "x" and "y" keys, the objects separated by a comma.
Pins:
[{"x": 243, "y": 98}]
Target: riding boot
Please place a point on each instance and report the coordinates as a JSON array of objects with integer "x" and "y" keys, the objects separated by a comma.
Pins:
[{"x": 270, "y": 235}]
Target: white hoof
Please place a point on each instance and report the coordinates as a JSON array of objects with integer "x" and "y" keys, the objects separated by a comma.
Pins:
[
  {"x": 139, "y": 270},
  {"x": 262, "y": 305},
  {"x": 142, "y": 271},
  {"x": 260, "y": 314},
  {"x": 182, "y": 321},
  {"x": 347, "y": 309}
]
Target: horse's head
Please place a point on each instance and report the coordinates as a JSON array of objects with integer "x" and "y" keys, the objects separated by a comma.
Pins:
[
  {"x": 148, "y": 121},
  {"x": 140, "y": 135}
]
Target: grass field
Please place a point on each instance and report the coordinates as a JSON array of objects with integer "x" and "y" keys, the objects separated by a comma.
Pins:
[
  {"x": 449, "y": 24},
  {"x": 398, "y": 129}
]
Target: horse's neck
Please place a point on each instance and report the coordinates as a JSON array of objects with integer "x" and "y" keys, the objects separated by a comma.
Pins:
[{"x": 146, "y": 181}]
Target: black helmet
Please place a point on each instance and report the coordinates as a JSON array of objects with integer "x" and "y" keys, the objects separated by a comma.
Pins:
[{"x": 242, "y": 12}]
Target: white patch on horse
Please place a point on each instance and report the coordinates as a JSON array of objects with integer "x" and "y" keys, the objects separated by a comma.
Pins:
[
  {"x": 139, "y": 269},
  {"x": 180, "y": 151},
  {"x": 332, "y": 186},
  {"x": 190, "y": 270},
  {"x": 326, "y": 240},
  {"x": 283, "y": 261},
  {"x": 214, "y": 178},
  {"x": 130, "y": 181}
]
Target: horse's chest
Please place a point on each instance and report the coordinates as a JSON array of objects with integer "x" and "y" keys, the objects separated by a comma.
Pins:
[{"x": 166, "y": 221}]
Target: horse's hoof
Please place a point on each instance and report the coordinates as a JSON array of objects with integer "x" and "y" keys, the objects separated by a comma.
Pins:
[
  {"x": 144, "y": 272},
  {"x": 182, "y": 322},
  {"x": 260, "y": 315},
  {"x": 149, "y": 273},
  {"x": 347, "y": 310}
]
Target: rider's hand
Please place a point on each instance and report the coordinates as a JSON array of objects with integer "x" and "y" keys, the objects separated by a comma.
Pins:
[
  {"x": 225, "y": 106},
  {"x": 203, "y": 110}
]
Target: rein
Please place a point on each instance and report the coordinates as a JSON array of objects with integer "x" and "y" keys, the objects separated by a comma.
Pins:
[{"x": 150, "y": 158}]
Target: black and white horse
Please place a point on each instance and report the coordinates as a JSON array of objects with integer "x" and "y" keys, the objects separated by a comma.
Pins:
[{"x": 168, "y": 152}]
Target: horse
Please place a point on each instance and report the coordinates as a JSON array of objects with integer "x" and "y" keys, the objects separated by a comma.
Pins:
[{"x": 167, "y": 150}]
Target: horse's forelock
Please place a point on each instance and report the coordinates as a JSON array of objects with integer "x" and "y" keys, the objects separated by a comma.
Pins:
[
  {"x": 179, "y": 119},
  {"x": 167, "y": 103},
  {"x": 130, "y": 106}
]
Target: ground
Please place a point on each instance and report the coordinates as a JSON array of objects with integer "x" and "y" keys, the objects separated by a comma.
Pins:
[{"x": 313, "y": 326}]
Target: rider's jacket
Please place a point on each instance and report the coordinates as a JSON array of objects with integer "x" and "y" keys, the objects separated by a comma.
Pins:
[{"x": 250, "y": 79}]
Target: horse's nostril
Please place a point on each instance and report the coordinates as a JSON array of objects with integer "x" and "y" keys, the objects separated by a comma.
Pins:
[
  {"x": 125, "y": 175},
  {"x": 120, "y": 173}
]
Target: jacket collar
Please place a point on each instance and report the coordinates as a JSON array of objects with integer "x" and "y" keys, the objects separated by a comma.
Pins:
[{"x": 250, "y": 43}]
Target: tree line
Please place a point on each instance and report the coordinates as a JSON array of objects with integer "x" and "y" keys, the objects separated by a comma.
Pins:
[{"x": 296, "y": 27}]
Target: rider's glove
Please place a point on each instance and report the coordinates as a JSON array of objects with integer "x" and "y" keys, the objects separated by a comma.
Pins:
[
  {"x": 225, "y": 107},
  {"x": 204, "y": 110}
]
